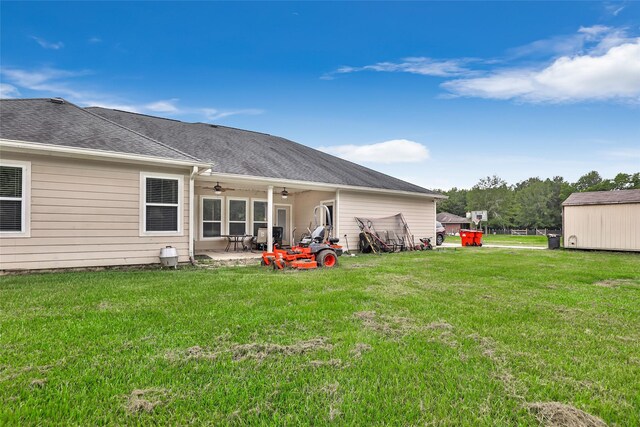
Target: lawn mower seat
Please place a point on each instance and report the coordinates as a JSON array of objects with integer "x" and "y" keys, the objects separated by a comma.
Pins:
[{"x": 317, "y": 236}]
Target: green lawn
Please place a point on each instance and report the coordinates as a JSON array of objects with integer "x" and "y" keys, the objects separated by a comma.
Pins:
[
  {"x": 506, "y": 239},
  {"x": 458, "y": 337}
]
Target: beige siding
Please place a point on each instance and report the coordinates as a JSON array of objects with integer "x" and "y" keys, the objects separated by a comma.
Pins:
[
  {"x": 608, "y": 227},
  {"x": 304, "y": 203},
  {"x": 419, "y": 212},
  {"x": 87, "y": 213}
]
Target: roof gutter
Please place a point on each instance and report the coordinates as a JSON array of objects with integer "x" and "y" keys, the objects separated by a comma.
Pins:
[
  {"x": 25, "y": 146},
  {"x": 320, "y": 186}
]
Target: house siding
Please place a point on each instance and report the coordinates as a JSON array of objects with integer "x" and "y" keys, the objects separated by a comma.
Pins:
[
  {"x": 87, "y": 214},
  {"x": 604, "y": 227},
  {"x": 419, "y": 212},
  {"x": 303, "y": 205}
]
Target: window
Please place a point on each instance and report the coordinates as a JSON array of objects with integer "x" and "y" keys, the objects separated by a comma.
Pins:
[
  {"x": 259, "y": 215},
  {"x": 14, "y": 198},
  {"x": 211, "y": 217},
  {"x": 162, "y": 197},
  {"x": 237, "y": 216}
]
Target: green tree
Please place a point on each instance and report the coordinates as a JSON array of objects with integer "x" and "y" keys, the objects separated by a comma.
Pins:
[
  {"x": 455, "y": 204},
  {"x": 496, "y": 197}
]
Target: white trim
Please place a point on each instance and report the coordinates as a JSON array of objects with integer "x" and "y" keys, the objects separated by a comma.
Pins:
[
  {"x": 336, "y": 214},
  {"x": 25, "y": 199},
  {"x": 253, "y": 217},
  {"x": 290, "y": 206},
  {"x": 332, "y": 203},
  {"x": 246, "y": 213},
  {"x": 270, "y": 218},
  {"x": 201, "y": 217},
  {"x": 87, "y": 152},
  {"x": 143, "y": 204},
  {"x": 320, "y": 186},
  {"x": 191, "y": 224}
]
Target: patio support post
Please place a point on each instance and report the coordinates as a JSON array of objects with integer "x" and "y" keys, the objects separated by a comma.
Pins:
[
  {"x": 270, "y": 219},
  {"x": 194, "y": 172}
]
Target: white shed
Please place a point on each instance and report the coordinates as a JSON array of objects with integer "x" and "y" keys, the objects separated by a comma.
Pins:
[{"x": 603, "y": 220}]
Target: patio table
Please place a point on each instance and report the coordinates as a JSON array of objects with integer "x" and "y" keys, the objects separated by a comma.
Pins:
[{"x": 235, "y": 239}]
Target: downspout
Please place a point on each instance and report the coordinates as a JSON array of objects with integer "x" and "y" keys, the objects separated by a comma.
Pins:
[{"x": 194, "y": 172}]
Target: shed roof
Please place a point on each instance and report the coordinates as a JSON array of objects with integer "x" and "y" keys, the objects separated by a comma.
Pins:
[
  {"x": 235, "y": 151},
  {"x": 603, "y": 198},
  {"x": 449, "y": 218},
  {"x": 58, "y": 122}
]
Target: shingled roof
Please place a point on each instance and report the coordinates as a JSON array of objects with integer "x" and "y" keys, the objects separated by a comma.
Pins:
[
  {"x": 603, "y": 198},
  {"x": 58, "y": 122},
  {"x": 449, "y": 218},
  {"x": 242, "y": 152}
]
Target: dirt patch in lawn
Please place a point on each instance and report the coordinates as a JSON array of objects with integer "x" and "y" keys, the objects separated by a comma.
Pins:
[
  {"x": 555, "y": 414},
  {"x": 332, "y": 363},
  {"x": 259, "y": 351},
  {"x": 145, "y": 400},
  {"x": 391, "y": 326},
  {"x": 616, "y": 283},
  {"x": 439, "y": 325},
  {"x": 38, "y": 382},
  {"x": 359, "y": 349}
]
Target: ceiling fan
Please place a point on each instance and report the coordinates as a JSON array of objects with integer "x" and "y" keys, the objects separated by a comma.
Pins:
[{"x": 218, "y": 189}]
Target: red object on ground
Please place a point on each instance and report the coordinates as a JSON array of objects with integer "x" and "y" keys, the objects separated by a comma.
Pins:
[
  {"x": 471, "y": 237},
  {"x": 477, "y": 238}
]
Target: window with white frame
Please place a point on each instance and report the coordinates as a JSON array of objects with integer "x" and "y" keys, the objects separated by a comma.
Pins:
[
  {"x": 14, "y": 198},
  {"x": 162, "y": 196},
  {"x": 259, "y": 215},
  {"x": 211, "y": 217},
  {"x": 237, "y": 216}
]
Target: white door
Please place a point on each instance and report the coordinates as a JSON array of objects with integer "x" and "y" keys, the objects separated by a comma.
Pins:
[{"x": 283, "y": 214}]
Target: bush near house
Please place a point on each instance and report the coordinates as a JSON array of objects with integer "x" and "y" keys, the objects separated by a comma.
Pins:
[{"x": 452, "y": 337}]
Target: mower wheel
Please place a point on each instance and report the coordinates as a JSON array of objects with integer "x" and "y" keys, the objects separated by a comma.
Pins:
[{"x": 327, "y": 258}]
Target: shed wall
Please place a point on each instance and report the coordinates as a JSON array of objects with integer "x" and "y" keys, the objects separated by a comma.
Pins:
[
  {"x": 87, "y": 213},
  {"x": 419, "y": 212},
  {"x": 607, "y": 227}
]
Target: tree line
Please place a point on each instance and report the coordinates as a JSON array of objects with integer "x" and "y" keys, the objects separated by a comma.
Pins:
[{"x": 532, "y": 203}]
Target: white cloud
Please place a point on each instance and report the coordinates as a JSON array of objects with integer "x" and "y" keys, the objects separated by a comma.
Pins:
[
  {"x": 413, "y": 65},
  {"x": 48, "y": 45},
  {"x": 614, "y": 8},
  {"x": 393, "y": 151},
  {"x": 94, "y": 40},
  {"x": 8, "y": 91},
  {"x": 166, "y": 106},
  {"x": 612, "y": 75},
  {"x": 625, "y": 153},
  {"x": 213, "y": 114},
  {"x": 52, "y": 82}
]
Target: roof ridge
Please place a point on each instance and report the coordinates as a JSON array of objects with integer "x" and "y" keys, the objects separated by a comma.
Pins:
[
  {"x": 230, "y": 127},
  {"x": 135, "y": 132},
  {"x": 134, "y": 112}
]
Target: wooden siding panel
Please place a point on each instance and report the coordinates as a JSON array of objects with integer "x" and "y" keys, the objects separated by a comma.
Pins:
[
  {"x": 86, "y": 213},
  {"x": 606, "y": 227},
  {"x": 419, "y": 212}
]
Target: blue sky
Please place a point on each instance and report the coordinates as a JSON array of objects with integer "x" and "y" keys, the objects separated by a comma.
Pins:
[{"x": 439, "y": 94}]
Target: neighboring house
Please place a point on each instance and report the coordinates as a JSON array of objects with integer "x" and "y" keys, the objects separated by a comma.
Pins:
[
  {"x": 452, "y": 223},
  {"x": 97, "y": 187},
  {"x": 604, "y": 220}
]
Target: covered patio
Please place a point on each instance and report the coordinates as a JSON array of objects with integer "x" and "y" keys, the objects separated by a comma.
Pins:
[{"x": 232, "y": 213}]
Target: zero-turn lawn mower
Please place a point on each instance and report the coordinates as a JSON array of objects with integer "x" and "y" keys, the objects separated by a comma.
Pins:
[{"x": 318, "y": 249}]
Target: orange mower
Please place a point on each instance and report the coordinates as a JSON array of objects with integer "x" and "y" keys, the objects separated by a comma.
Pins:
[{"x": 317, "y": 249}]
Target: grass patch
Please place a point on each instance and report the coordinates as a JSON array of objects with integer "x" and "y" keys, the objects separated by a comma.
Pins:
[{"x": 452, "y": 337}]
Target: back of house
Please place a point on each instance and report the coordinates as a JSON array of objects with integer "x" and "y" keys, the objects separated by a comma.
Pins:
[{"x": 87, "y": 187}]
